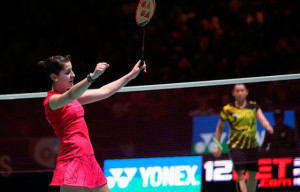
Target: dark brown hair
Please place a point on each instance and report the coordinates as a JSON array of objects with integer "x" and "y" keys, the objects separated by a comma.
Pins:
[
  {"x": 53, "y": 64},
  {"x": 239, "y": 84}
]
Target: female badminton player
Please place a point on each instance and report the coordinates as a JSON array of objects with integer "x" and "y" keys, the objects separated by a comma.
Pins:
[
  {"x": 76, "y": 169},
  {"x": 242, "y": 141}
]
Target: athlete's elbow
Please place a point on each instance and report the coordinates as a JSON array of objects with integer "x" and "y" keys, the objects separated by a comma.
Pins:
[
  {"x": 73, "y": 96},
  {"x": 105, "y": 92}
]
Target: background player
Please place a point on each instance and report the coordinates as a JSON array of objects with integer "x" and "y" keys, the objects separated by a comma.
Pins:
[{"x": 242, "y": 142}]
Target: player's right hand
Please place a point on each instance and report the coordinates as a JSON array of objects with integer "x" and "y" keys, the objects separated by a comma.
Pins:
[
  {"x": 99, "y": 69},
  {"x": 217, "y": 152},
  {"x": 136, "y": 69}
]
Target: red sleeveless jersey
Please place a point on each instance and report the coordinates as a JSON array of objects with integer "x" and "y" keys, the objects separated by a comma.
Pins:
[{"x": 70, "y": 128}]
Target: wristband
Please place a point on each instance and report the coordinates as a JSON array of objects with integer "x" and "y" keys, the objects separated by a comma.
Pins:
[{"x": 89, "y": 78}]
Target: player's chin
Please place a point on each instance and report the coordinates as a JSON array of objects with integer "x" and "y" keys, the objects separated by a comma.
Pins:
[{"x": 70, "y": 85}]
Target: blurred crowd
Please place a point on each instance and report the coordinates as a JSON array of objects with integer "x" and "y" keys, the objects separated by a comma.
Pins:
[{"x": 185, "y": 40}]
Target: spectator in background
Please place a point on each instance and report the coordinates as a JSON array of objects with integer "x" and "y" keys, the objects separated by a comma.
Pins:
[
  {"x": 284, "y": 138},
  {"x": 251, "y": 38}
]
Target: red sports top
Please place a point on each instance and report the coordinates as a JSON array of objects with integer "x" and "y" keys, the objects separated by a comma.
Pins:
[{"x": 70, "y": 128}]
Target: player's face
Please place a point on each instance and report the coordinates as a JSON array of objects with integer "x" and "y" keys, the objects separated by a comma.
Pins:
[
  {"x": 65, "y": 78},
  {"x": 240, "y": 92}
]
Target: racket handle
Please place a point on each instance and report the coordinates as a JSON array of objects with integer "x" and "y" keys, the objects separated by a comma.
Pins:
[
  {"x": 142, "y": 59},
  {"x": 142, "y": 62}
]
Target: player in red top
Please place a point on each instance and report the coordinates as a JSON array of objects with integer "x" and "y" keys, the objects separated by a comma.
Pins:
[{"x": 76, "y": 169}]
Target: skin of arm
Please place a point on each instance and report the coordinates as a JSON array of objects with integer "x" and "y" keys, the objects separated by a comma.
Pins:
[
  {"x": 58, "y": 101},
  {"x": 104, "y": 92},
  {"x": 107, "y": 90},
  {"x": 219, "y": 130},
  {"x": 265, "y": 123},
  {"x": 77, "y": 91}
]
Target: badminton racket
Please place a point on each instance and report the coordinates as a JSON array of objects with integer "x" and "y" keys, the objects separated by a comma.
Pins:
[
  {"x": 218, "y": 143},
  {"x": 143, "y": 15}
]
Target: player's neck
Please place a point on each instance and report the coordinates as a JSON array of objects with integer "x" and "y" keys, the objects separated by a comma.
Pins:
[
  {"x": 58, "y": 89},
  {"x": 241, "y": 104}
]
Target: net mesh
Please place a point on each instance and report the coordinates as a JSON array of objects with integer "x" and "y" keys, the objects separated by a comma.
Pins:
[{"x": 152, "y": 123}]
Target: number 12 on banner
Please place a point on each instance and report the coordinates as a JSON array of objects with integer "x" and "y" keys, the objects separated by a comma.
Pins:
[{"x": 218, "y": 170}]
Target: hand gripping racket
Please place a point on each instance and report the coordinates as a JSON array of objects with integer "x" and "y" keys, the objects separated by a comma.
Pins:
[{"x": 143, "y": 15}]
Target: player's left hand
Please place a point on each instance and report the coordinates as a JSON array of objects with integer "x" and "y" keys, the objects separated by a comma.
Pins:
[{"x": 217, "y": 152}]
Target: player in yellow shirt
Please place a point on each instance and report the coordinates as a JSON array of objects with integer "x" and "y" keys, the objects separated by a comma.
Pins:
[{"x": 242, "y": 142}]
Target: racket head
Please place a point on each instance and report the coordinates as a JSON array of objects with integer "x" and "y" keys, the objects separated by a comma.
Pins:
[{"x": 144, "y": 12}]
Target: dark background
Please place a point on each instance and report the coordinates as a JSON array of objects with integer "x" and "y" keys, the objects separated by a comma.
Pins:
[{"x": 185, "y": 40}]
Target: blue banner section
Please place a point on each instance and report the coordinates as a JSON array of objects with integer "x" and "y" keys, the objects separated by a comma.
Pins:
[
  {"x": 168, "y": 174},
  {"x": 204, "y": 128}
]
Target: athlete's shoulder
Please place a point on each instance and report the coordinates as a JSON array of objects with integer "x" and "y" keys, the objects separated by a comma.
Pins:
[
  {"x": 49, "y": 94},
  {"x": 252, "y": 104},
  {"x": 228, "y": 106}
]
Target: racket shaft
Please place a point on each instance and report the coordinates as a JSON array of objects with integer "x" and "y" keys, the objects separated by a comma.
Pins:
[
  {"x": 143, "y": 47},
  {"x": 218, "y": 143}
]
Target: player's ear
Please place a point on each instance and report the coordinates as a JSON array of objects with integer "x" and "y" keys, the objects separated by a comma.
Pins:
[
  {"x": 233, "y": 89},
  {"x": 232, "y": 92},
  {"x": 247, "y": 92},
  {"x": 53, "y": 77}
]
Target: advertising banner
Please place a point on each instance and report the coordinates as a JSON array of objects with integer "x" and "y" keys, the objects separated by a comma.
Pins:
[
  {"x": 168, "y": 174},
  {"x": 274, "y": 173}
]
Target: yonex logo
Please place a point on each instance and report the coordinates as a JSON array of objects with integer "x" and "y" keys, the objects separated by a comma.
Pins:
[
  {"x": 154, "y": 174},
  {"x": 205, "y": 143},
  {"x": 118, "y": 177},
  {"x": 145, "y": 13},
  {"x": 181, "y": 175}
]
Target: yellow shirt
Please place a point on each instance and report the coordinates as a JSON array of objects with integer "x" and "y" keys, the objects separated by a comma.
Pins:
[{"x": 243, "y": 125}]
